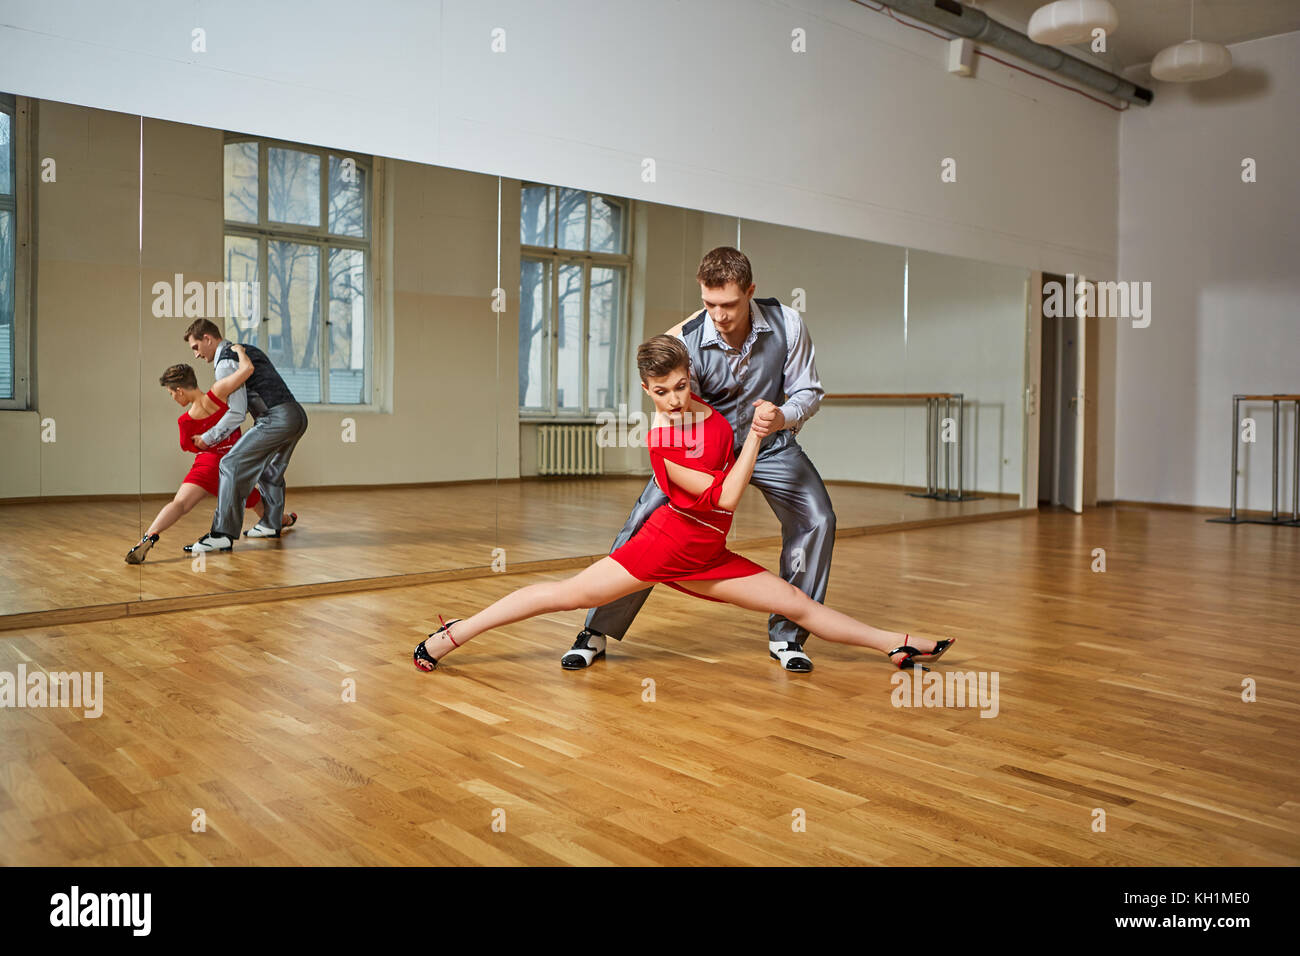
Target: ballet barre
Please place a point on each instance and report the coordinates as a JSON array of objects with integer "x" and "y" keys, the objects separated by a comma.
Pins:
[
  {"x": 1232, "y": 516},
  {"x": 932, "y": 425}
]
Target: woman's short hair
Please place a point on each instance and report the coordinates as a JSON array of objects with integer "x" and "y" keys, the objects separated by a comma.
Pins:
[
  {"x": 182, "y": 375},
  {"x": 662, "y": 355}
]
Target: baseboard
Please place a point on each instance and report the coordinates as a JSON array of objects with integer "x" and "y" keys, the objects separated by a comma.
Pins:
[
  {"x": 1193, "y": 509},
  {"x": 299, "y": 489},
  {"x": 886, "y": 486}
]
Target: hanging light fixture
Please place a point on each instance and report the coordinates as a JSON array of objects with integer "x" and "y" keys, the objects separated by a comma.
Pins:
[
  {"x": 1192, "y": 59},
  {"x": 1071, "y": 21}
]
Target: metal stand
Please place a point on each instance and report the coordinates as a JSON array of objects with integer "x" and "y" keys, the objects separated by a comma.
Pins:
[
  {"x": 1232, "y": 516},
  {"x": 933, "y": 422}
]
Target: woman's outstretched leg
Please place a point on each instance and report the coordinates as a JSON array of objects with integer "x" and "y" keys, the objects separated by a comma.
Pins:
[
  {"x": 767, "y": 592},
  {"x": 187, "y": 496},
  {"x": 604, "y": 581}
]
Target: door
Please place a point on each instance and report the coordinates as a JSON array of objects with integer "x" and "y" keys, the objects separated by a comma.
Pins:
[
  {"x": 1030, "y": 444},
  {"x": 1070, "y": 432}
]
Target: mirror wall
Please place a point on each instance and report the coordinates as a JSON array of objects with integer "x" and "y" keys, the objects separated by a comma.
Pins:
[
  {"x": 436, "y": 325},
  {"x": 70, "y": 348}
]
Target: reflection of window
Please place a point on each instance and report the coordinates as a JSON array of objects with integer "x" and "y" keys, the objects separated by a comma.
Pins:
[
  {"x": 13, "y": 258},
  {"x": 573, "y": 276},
  {"x": 298, "y": 254}
]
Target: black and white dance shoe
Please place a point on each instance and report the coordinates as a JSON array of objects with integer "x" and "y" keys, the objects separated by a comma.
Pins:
[
  {"x": 423, "y": 659},
  {"x": 916, "y": 655},
  {"x": 790, "y": 655},
  {"x": 136, "y": 554},
  {"x": 211, "y": 542},
  {"x": 260, "y": 530},
  {"x": 589, "y": 646}
]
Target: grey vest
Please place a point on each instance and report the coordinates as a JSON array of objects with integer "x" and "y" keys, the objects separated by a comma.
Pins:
[
  {"x": 762, "y": 377},
  {"x": 265, "y": 387}
]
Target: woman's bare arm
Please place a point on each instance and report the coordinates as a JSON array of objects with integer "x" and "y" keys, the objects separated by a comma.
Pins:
[
  {"x": 733, "y": 486},
  {"x": 688, "y": 479},
  {"x": 222, "y": 387}
]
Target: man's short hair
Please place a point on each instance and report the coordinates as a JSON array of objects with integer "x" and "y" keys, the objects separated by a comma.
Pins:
[
  {"x": 725, "y": 264},
  {"x": 201, "y": 327}
]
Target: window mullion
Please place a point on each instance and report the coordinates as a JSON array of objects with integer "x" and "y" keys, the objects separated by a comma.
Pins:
[
  {"x": 554, "y": 325},
  {"x": 263, "y": 294},
  {"x": 322, "y": 298},
  {"x": 584, "y": 339},
  {"x": 264, "y": 246}
]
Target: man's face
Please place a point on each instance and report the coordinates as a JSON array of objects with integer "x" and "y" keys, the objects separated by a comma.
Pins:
[
  {"x": 728, "y": 306},
  {"x": 205, "y": 347}
]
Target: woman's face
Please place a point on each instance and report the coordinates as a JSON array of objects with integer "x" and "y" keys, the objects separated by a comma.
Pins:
[
  {"x": 177, "y": 392},
  {"x": 671, "y": 393}
]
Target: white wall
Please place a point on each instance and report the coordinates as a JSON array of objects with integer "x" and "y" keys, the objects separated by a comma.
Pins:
[
  {"x": 846, "y": 138},
  {"x": 1223, "y": 258}
]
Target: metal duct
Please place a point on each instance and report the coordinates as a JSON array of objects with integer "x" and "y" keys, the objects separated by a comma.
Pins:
[{"x": 976, "y": 25}]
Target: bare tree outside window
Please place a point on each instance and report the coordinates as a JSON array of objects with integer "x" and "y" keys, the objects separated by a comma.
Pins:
[
  {"x": 573, "y": 275},
  {"x": 297, "y": 223}
]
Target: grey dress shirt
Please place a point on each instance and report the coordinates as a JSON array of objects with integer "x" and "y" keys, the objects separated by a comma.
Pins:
[
  {"x": 237, "y": 400},
  {"x": 802, "y": 386}
]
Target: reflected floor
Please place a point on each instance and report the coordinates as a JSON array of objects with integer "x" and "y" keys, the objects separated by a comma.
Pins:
[{"x": 62, "y": 555}]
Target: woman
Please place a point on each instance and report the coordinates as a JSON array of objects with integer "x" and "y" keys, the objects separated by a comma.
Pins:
[
  {"x": 204, "y": 411},
  {"x": 684, "y": 540}
]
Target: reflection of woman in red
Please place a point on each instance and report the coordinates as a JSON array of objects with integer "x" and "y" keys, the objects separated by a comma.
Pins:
[
  {"x": 204, "y": 411},
  {"x": 692, "y": 454}
]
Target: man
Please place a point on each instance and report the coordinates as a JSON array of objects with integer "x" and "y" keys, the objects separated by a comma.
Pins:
[
  {"x": 744, "y": 350},
  {"x": 262, "y": 454}
]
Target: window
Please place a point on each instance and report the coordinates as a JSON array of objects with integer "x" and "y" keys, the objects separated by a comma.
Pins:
[
  {"x": 298, "y": 217},
  {"x": 13, "y": 258},
  {"x": 573, "y": 280}
]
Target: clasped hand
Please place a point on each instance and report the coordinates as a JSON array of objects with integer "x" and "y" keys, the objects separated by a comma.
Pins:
[{"x": 767, "y": 419}]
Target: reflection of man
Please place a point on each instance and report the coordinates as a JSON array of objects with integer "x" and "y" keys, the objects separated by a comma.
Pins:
[
  {"x": 262, "y": 454},
  {"x": 742, "y": 350}
]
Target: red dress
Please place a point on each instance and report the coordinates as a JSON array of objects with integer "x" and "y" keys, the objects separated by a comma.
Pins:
[
  {"x": 685, "y": 539},
  {"x": 205, "y": 473}
]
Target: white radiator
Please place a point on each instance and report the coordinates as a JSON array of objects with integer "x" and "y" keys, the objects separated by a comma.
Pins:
[{"x": 569, "y": 450}]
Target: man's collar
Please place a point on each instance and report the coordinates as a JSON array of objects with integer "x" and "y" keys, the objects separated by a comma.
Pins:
[{"x": 758, "y": 323}]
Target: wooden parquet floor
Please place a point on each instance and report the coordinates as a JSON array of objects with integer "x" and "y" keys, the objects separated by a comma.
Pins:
[{"x": 1118, "y": 692}]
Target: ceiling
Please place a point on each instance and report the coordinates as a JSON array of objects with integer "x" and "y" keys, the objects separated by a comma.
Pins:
[{"x": 1148, "y": 26}]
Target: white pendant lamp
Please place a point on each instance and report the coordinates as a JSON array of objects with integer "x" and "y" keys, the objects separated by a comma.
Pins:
[
  {"x": 1071, "y": 21},
  {"x": 1191, "y": 60}
]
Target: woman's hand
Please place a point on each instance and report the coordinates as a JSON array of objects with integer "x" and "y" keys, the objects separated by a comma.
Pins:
[{"x": 237, "y": 349}]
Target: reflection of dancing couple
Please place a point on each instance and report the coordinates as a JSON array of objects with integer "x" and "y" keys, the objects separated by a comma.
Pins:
[
  {"x": 746, "y": 354},
  {"x": 241, "y": 470}
]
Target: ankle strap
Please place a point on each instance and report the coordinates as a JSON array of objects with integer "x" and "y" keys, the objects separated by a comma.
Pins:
[{"x": 447, "y": 627}]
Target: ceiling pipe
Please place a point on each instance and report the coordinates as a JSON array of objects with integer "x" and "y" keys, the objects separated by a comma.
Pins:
[{"x": 978, "y": 26}]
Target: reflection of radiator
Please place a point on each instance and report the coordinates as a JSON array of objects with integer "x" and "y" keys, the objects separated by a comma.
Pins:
[{"x": 569, "y": 450}]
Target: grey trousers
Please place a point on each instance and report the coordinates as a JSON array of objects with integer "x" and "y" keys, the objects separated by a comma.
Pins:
[
  {"x": 259, "y": 458},
  {"x": 797, "y": 495}
]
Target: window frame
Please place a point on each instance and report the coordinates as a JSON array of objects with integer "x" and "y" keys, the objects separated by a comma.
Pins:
[
  {"x": 266, "y": 230},
  {"x": 553, "y": 258},
  {"x": 19, "y": 109}
]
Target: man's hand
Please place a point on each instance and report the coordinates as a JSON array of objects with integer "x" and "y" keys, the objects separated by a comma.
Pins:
[
  {"x": 200, "y": 444},
  {"x": 767, "y": 418}
]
